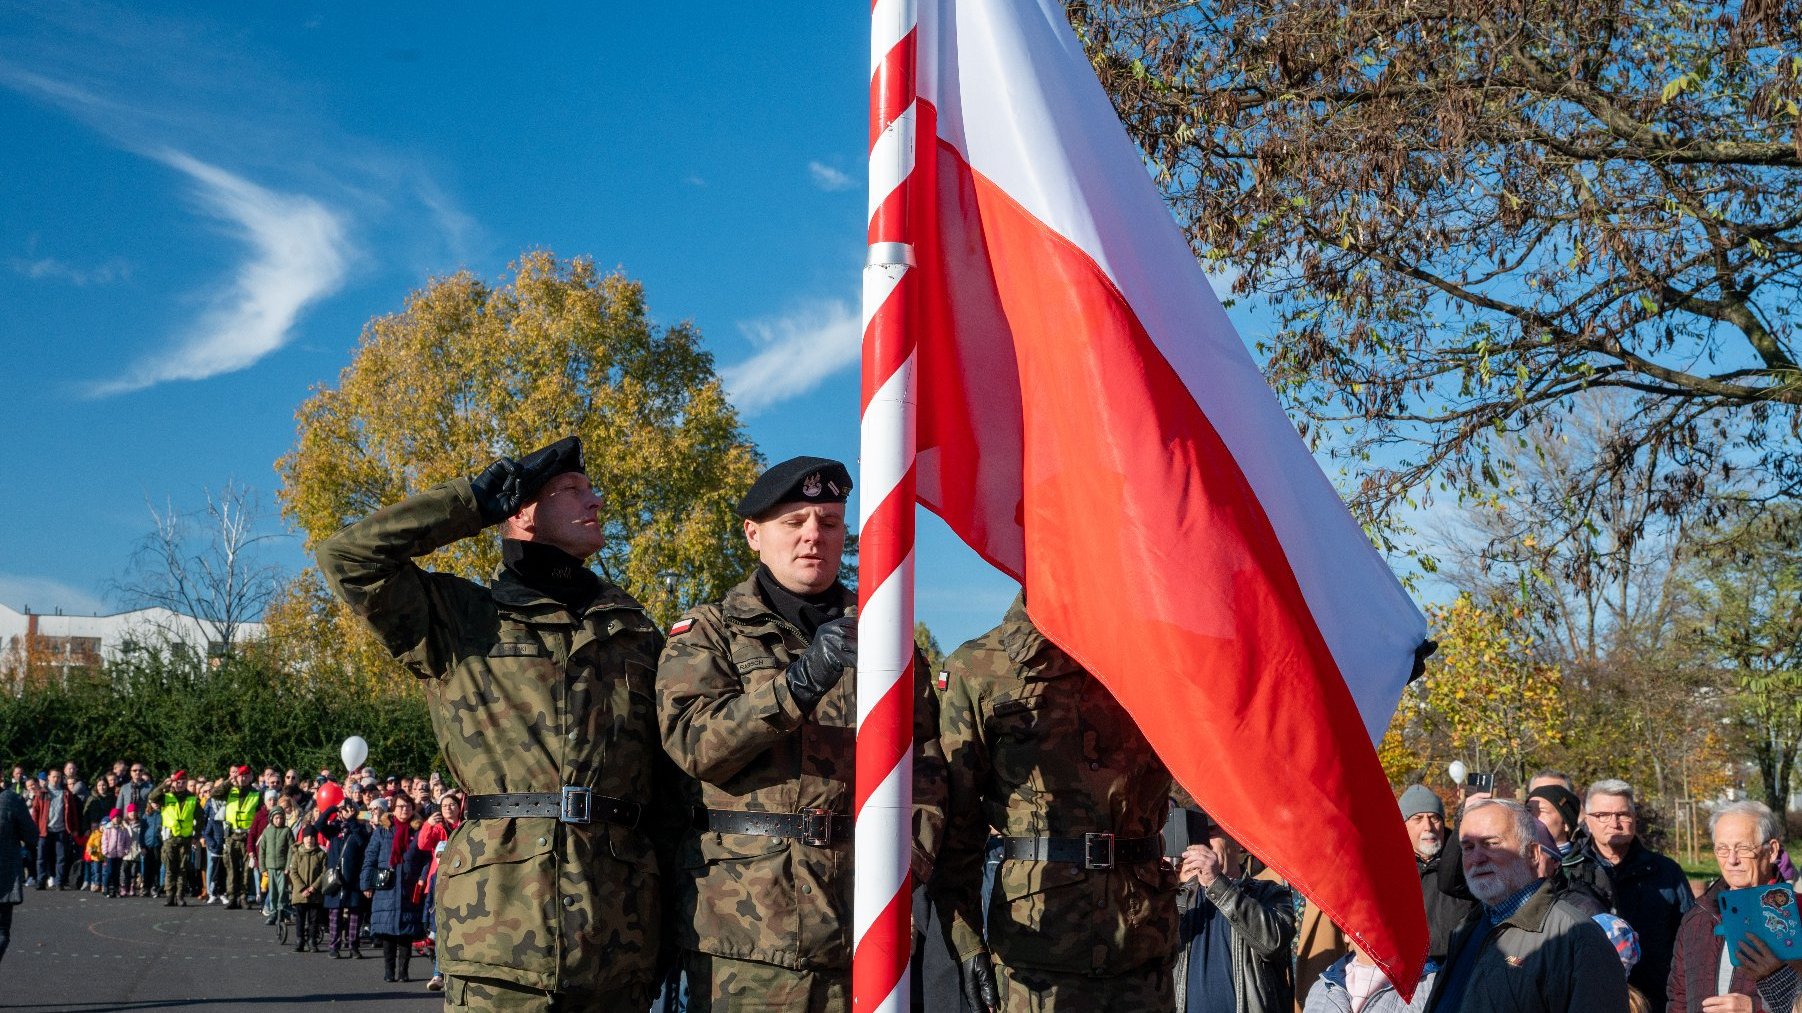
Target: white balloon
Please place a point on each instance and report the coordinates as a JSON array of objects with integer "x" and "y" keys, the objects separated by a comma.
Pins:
[
  {"x": 355, "y": 751},
  {"x": 1457, "y": 769}
]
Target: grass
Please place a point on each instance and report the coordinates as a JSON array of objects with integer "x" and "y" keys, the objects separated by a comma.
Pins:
[{"x": 1704, "y": 868}]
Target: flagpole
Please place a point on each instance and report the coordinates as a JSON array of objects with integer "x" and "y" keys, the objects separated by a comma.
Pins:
[{"x": 882, "y": 902}]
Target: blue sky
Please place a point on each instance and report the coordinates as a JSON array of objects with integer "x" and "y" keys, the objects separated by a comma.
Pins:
[{"x": 200, "y": 206}]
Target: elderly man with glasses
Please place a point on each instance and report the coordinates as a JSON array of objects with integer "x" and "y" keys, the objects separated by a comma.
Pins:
[
  {"x": 1650, "y": 891},
  {"x": 1705, "y": 978}
]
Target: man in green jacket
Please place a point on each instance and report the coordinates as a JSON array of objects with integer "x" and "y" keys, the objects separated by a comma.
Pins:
[
  {"x": 540, "y": 689},
  {"x": 242, "y": 800},
  {"x": 756, "y": 697},
  {"x": 181, "y": 819}
]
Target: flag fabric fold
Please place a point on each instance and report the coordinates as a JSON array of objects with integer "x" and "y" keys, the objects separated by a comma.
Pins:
[{"x": 1090, "y": 423}]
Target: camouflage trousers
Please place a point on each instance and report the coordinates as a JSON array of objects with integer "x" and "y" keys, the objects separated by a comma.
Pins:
[
  {"x": 237, "y": 866},
  {"x": 511, "y": 997},
  {"x": 175, "y": 866},
  {"x": 1030, "y": 990},
  {"x": 723, "y": 985}
]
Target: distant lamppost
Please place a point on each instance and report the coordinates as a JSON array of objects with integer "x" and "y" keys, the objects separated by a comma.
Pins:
[{"x": 672, "y": 582}]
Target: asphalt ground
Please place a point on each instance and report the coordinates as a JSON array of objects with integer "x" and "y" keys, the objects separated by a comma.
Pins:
[{"x": 75, "y": 951}]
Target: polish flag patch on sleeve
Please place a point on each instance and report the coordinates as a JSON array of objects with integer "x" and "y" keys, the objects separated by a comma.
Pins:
[
  {"x": 681, "y": 627},
  {"x": 944, "y": 680}
]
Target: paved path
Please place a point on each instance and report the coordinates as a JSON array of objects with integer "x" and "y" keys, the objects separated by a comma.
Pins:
[{"x": 75, "y": 952}]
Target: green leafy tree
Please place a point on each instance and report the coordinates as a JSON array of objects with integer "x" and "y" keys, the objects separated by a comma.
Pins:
[
  {"x": 1745, "y": 614},
  {"x": 928, "y": 645},
  {"x": 469, "y": 371},
  {"x": 1466, "y": 215}
]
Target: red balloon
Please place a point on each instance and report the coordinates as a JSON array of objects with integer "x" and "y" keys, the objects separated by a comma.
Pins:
[{"x": 329, "y": 795}]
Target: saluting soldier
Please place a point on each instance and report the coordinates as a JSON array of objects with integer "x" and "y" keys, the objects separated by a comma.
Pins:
[
  {"x": 540, "y": 688},
  {"x": 755, "y": 696},
  {"x": 1083, "y": 913}
]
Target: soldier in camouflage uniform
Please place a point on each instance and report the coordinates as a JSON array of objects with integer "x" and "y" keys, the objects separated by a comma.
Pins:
[
  {"x": 1083, "y": 913},
  {"x": 756, "y": 703},
  {"x": 540, "y": 687}
]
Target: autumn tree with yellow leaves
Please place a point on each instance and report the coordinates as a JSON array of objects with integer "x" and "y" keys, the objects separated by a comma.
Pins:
[
  {"x": 1497, "y": 702},
  {"x": 467, "y": 372}
]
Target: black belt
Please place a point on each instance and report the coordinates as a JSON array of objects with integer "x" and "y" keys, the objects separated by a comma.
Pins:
[
  {"x": 571, "y": 805},
  {"x": 816, "y": 827},
  {"x": 1091, "y": 851}
]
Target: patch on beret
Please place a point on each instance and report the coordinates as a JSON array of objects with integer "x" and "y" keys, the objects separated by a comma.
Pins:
[{"x": 796, "y": 480}]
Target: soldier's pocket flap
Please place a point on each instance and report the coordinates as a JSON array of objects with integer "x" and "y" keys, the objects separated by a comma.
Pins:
[
  {"x": 482, "y": 843},
  {"x": 718, "y": 847},
  {"x": 1017, "y": 880}
]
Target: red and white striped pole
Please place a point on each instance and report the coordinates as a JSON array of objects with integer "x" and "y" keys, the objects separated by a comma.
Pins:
[{"x": 883, "y": 884}]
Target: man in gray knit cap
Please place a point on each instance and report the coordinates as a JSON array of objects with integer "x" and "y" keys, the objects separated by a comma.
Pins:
[{"x": 1424, "y": 815}]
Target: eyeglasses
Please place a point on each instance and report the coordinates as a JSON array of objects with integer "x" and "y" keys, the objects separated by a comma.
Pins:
[
  {"x": 1743, "y": 852},
  {"x": 1612, "y": 817}
]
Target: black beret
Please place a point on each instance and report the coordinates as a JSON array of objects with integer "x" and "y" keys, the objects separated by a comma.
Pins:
[
  {"x": 796, "y": 480},
  {"x": 537, "y": 468}
]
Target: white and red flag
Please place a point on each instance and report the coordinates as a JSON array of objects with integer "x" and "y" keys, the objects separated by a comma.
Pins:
[{"x": 1089, "y": 422}]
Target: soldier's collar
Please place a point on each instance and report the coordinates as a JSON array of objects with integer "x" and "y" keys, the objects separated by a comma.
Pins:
[
  {"x": 514, "y": 593},
  {"x": 743, "y": 605}
]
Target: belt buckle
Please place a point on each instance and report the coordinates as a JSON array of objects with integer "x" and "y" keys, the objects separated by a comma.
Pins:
[
  {"x": 816, "y": 827},
  {"x": 1097, "y": 851},
  {"x": 575, "y": 805}
]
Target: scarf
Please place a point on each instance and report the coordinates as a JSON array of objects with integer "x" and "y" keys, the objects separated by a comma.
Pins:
[
  {"x": 403, "y": 836},
  {"x": 805, "y": 612},
  {"x": 550, "y": 571}
]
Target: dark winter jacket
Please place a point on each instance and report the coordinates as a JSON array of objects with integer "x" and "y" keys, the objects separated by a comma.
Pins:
[
  {"x": 1448, "y": 900},
  {"x": 345, "y": 853},
  {"x": 1651, "y": 893},
  {"x": 1261, "y": 914},
  {"x": 18, "y": 831},
  {"x": 1546, "y": 957},
  {"x": 397, "y": 910}
]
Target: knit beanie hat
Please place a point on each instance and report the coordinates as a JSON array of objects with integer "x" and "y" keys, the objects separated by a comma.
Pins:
[
  {"x": 1561, "y": 798},
  {"x": 1420, "y": 799}
]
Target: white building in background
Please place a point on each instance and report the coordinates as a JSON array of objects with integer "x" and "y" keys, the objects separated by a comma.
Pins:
[{"x": 72, "y": 641}]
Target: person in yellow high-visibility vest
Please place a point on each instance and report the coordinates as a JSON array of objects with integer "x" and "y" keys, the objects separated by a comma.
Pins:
[
  {"x": 180, "y": 815},
  {"x": 241, "y": 804}
]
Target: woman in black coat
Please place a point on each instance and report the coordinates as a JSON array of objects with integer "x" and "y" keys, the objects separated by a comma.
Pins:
[
  {"x": 397, "y": 912},
  {"x": 345, "y": 908}
]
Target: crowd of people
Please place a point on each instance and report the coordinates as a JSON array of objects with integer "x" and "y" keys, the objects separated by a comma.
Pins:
[
  {"x": 348, "y": 865},
  {"x": 666, "y": 817}
]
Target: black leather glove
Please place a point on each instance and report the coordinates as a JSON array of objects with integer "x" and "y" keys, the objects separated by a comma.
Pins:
[
  {"x": 976, "y": 979},
  {"x": 823, "y": 664},
  {"x": 506, "y": 485}
]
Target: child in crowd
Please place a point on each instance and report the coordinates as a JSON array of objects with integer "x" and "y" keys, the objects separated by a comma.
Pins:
[
  {"x": 115, "y": 842},
  {"x": 93, "y": 859},
  {"x": 273, "y": 849},
  {"x": 150, "y": 840},
  {"x": 131, "y": 882},
  {"x": 306, "y": 880}
]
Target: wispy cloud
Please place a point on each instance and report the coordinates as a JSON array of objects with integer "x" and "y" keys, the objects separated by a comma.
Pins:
[
  {"x": 298, "y": 255},
  {"x": 829, "y": 179},
  {"x": 795, "y": 353},
  {"x": 52, "y": 269},
  {"x": 43, "y": 595}
]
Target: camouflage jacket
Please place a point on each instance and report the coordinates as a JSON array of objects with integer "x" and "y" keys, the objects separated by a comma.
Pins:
[
  {"x": 524, "y": 697},
  {"x": 1037, "y": 747},
  {"x": 730, "y": 724}
]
